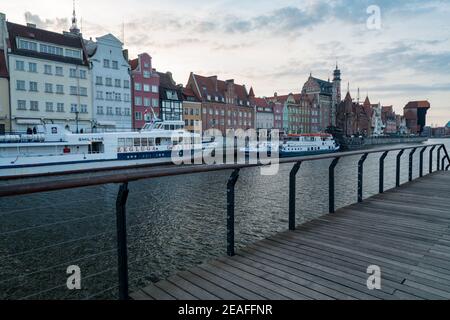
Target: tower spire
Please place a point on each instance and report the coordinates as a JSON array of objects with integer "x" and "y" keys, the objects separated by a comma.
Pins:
[{"x": 74, "y": 28}]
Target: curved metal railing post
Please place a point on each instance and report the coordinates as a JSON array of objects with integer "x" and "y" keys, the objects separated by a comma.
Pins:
[
  {"x": 397, "y": 171},
  {"x": 361, "y": 176},
  {"x": 431, "y": 159},
  {"x": 230, "y": 211},
  {"x": 381, "y": 178},
  {"x": 122, "y": 251},
  {"x": 292, "y": 187},
  {"x": 331, "y": 184},
  {"x": 421, "y": 161},
  {"x": 410, "y": 172}
]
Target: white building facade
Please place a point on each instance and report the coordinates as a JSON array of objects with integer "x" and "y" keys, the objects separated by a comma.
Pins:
[
  {"x": 111, "y": 84},
  {"x": 50, "y": 80},
  {"x": 377, "y": 121}
]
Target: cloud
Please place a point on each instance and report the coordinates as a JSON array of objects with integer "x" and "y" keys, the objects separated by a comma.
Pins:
[{"x": 56, "y": 24}]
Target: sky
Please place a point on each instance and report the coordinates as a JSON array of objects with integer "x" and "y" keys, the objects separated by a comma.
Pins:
[{"x": 395, "y": 52}]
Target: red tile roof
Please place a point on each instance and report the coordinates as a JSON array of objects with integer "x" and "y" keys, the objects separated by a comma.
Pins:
[
  {"x": 261, "y": 102},
  {"x": 214, "y": 86},
  {"x": 134, "y": 63},
  {"x": 3, "y": 68},
  {"x": 418, "y": 105}
]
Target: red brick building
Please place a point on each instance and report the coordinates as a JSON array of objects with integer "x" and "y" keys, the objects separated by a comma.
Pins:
[
  {"x": 225, "y": 104},
  {"x": 416, "y": 115},
  {"x": 145, "y": 90},
  {"x": 354, "y": 118},
  {"x": 389, "y": 119}
]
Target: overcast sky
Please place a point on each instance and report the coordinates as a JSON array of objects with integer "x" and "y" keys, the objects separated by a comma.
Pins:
[{"x": 274, "y": 45}]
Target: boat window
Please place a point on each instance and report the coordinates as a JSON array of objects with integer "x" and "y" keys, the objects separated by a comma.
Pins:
[
  {"x": 137, "y": 142},
  {"x": 158, "y": 141},
  {"x": 172, "y": 127},
  {"x": 144, "y": 142},
  {"x": 151, "y": 142},
  {"x": 129, "y": 142},
  {"x": 121, "y": 142}
]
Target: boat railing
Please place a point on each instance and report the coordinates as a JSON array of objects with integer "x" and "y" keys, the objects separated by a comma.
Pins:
[{"x": 438, "y": 155}]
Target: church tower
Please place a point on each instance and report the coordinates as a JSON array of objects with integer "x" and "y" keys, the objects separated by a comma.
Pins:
[
  {"x": 74, "y": 28},
  {"x": 336, "y": 99}
]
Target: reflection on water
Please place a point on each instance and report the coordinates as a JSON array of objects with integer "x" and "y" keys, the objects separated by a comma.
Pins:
[{"x": 173, "y": 224}]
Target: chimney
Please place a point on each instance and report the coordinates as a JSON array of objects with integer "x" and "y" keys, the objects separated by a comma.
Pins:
[
  {"x": 31, "y": 25},
  {"x": 214, "y": 79}
]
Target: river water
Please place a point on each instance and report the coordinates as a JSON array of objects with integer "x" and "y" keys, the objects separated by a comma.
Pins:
[{"x": 173, "y": 223}]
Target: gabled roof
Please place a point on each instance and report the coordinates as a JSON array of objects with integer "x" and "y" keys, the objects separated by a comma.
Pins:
[
  {"x": 3, "y": 68},
  {"x": 261, "y": 102},
  {"x": 189, "y": 94},
  {"x": 215, "y": 87}
]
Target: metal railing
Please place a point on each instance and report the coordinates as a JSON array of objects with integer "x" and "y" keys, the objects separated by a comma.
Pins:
[{"x": 154, "y": 172}]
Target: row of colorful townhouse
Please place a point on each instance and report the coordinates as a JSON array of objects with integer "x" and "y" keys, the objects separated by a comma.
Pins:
[{"x": 92, "y": 85}]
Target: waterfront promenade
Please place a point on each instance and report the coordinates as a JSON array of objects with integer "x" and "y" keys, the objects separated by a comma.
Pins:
[{"x": 405, "y": 231}]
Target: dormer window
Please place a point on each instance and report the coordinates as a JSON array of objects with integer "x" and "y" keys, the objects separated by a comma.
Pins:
[{"x": 208, "y": 97}]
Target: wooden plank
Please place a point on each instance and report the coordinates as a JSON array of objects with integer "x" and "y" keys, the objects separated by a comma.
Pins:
[{"x": 405, "y": 231}]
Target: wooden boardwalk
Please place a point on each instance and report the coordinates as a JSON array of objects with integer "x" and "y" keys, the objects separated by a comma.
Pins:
[{"x": 405, "y": 231}]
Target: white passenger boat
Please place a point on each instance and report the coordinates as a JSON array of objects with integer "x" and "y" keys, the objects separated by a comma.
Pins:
[
  {"x": 297, "y": 145},
  {"x": 52, "y": 149}
]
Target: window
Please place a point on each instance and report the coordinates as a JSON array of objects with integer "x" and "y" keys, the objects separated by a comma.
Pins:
[
  {"x": 27, "y": 45},
  {"x": 138, "y": 115},
  {"x": 33, "y": 86},
  {"x": 204, "y": 111},
  {"x": 20, "y": 65},
  {"x": 138, "y": 86},
  {"x": 83, "y": 74},
  {"x": 99, "y": 95},
  {"x": 126, "y": 84},
  {"x": 146, "y": 74},
  {"x": 44, "y": 48},
  {"x": 172, "y": 95},
  {"x": 34, "y": 105},
  {"x": 109, "y": 82},
  {"x": 109, "y": 96},
  {"x": 83, "y": 108},
  {"x": 117, "y": 83},
  {"x": 59, "y": 71},
  {"x": 49, "y": 88},
  {"x": 83, "y": 91},
  {"x": 49, "y": 106},
  {"x": 99, "y": 81},
  {"x": 146, "y": 88},
  {"x": 138, "y": 101},
  {"x": 73, "y": 90},
  {"x": 21, "y": 105},
  {"x": 73, "y": 53},
  {"x": 59, "y": 89},
  {"x": 126, "y": 97},
  {"x": 20, "y": 85},
  {"x": 155, "y": 103},
  {"x": 115, "y": 65},
  {"x": 73, "y": 73},
  {"x": 109, "y": 111},
  {"x": 60, "y": 107},
  {"x": 155, "y": 89},
  {"x": 146, "y": 102},
  {"x": 32, "y": 67},
  {"x": 118, "y": 111},
  {"x": 127, "y": 111},
  {"x": 99, "y": 109},
  {"x": 105, "y": 63},
  {"x": 118, "y": 97},
  {"x": 73, "y": 108},
  {"x": 48, "y": 69}
]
